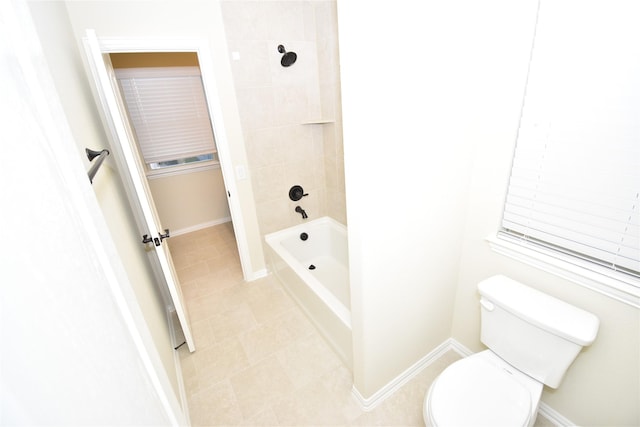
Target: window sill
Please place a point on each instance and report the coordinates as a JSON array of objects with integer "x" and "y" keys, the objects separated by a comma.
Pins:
[
  {"x": 617, "y": 286},
  {"x": 182, "y": 169}
]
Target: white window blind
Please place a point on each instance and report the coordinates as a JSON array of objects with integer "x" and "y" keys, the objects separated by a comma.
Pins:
[
  {"x": 575, "y": 182},
  {"x": 168, "y": 110}
]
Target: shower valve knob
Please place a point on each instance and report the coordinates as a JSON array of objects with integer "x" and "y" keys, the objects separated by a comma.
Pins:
[{"x": 296, "y": 193}]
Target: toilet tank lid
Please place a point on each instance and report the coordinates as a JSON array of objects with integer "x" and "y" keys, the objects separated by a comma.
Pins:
[{"x": 549, "y": 313}]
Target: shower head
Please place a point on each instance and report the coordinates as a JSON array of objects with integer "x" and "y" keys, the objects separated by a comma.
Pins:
[{"x": 288, "y": 58}]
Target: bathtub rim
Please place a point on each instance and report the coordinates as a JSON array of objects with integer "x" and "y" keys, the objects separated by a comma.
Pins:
[{"x": 274, "y": 240}]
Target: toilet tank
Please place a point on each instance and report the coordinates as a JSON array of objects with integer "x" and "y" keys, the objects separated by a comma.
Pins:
[{"x": 536, "y": 333}]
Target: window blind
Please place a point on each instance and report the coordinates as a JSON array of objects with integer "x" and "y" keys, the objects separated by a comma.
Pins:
[
  {"x": 575, "y": 180},
  {"x": 168, "y": 110}
]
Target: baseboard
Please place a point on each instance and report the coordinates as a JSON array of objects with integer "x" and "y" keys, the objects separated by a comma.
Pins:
[
  {"x": 370, "y": 403},
  {"x": 255, "y": 275},
  {"x": 554, "y": 416},
  {"x": 378, "y": 397},
  {"x": 459, "y": 348},
  {"x": 200, "y": 226}
]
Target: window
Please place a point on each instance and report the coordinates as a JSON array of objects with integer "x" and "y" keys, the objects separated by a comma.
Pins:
[
  {"x": 574, "y": 188},
  {"x": 168, "y": 110}
]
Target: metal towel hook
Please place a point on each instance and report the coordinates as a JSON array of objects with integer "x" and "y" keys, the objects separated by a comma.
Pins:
[{"x": 92, "y": 154}]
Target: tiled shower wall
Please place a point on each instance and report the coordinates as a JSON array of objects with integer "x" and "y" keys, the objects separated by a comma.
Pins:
[{"x": 280, "y": 107}]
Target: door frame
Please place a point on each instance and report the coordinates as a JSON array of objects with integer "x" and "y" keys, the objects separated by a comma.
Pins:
[
  {"x": 203, "y": 51},
  {"x": 140, "y": 198}
]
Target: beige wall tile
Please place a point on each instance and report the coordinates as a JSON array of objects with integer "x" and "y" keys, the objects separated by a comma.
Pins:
[{"x": 275, "y": 101}]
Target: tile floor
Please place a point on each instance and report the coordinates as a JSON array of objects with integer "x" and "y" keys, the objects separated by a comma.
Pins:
[{"x": 259, "y": 361}]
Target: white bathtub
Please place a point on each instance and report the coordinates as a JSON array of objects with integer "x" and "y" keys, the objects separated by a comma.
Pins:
[{"x": 322, "y": 291}]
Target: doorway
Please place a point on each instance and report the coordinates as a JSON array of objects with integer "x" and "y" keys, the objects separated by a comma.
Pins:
[
  {"x": 225, "y": 123},
  {"x": 188, "y": 188},
  {"x": 165, "y": 101}
]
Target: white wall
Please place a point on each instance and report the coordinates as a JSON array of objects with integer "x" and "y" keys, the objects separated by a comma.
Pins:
[
  {"x": 405, "y": 78},
  {"x": 433, "y": 92},
  {"x": 69, "y": 355},
  {"x": 65, "y": 64}
]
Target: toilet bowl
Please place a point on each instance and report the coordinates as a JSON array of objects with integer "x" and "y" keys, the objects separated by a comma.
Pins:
[{"x": 482, "y": 390}]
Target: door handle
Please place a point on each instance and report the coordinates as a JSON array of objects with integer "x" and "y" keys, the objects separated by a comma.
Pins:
[
  {"x": 156, "y": 241},
  {"x": 165, "y": 235}
]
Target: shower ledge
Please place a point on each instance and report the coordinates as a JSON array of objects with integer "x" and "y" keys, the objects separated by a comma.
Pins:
[{"x": 318, "y": 122}]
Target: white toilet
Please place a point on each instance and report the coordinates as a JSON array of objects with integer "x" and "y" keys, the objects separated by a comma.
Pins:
[{"x": 532, "y": 337}]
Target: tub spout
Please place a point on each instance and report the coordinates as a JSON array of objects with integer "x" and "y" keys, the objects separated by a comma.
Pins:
[{"x": 301, "y": 212}]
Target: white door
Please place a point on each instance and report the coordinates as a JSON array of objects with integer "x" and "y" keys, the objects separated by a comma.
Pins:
[{"x": 144, "y": 209}]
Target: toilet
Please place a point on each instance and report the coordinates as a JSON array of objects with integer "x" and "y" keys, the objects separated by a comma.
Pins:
[{"x": 532, "y": 339}]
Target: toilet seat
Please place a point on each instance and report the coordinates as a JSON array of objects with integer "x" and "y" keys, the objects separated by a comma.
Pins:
[{"x": 475, "y": 392}]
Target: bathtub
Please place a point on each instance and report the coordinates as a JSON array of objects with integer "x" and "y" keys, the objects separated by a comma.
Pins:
[{"x": 315, "y": 272}]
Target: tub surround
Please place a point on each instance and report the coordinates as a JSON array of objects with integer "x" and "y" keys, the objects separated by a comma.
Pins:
[{"x": 291, "y": 117}]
